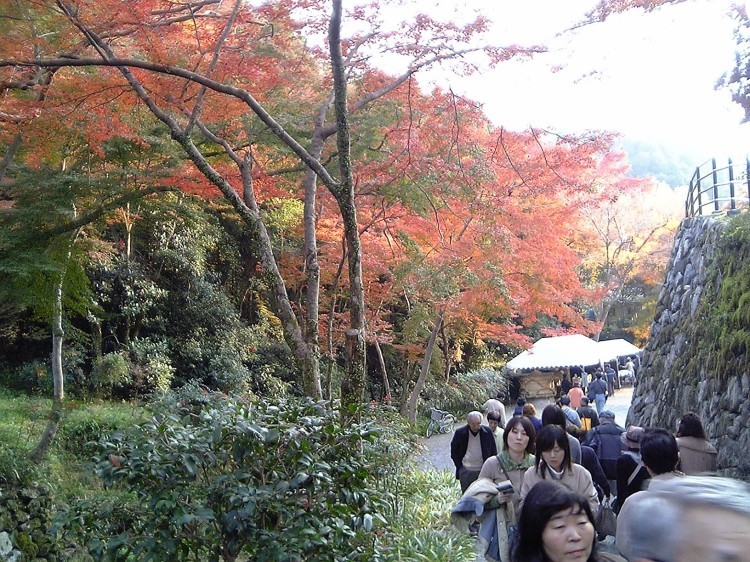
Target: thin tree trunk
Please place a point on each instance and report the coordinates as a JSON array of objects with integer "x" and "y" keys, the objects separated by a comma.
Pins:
[
  {"x": 386, "y": 383},
  {"x": 353, "y": 385},
  {"x": 10, "y": 153},
  {"x": 446, "y": 353},
  {"x": 411, "y": 409},
  {"x": 40, "y": 451},
  {"x": 96, "y": 334},
  {"x": 405, "y": 389}
]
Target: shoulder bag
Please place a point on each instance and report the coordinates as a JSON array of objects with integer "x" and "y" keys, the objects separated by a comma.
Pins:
[{"x": 512, "y": 524}]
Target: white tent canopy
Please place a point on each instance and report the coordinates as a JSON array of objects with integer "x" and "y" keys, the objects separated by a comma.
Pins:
[
  {"x": 612, "y": 349},
  {"x": 566, "y": 351},
  {"x": 556, "y": 353}
]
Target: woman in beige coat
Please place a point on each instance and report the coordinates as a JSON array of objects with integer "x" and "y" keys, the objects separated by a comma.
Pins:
[
  {"x": 697, "y": 455},
  {"x": 553, "y": 463}
]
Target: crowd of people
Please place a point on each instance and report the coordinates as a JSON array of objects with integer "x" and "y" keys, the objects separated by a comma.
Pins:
[{"x": 532, "y": 489}]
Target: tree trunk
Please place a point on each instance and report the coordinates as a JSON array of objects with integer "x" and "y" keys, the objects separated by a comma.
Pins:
[
  {"x": 405, "y": 392},
  {"x": 307, "y": 358},
  {"x": 446, "y": 353},
  {"x": 96, "y": 334},
  {"x": 386, "y": 384},
  {"x": 10, "y": 153},
  {"x": 353, "y": 385},
  {"x": 40, "y": 451},
  {"x": 411, "y": 409}
]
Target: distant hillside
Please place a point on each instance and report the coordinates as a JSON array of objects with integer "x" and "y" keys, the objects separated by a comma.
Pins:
[{"x": 651, "y": 159}]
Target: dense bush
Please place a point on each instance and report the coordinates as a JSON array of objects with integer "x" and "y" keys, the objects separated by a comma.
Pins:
[
  {"x": 211, "y": 476},
  {"x": 109, "y": 371},
  {"x": 465, "y": 392}
]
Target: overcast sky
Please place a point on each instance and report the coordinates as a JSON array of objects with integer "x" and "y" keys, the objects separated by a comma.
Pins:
[{"x": 649, "y": 76}]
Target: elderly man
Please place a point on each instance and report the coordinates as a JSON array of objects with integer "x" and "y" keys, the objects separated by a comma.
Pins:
[
  {"x": 471, "y": 445},
  {"x": 689, "y": 519}
]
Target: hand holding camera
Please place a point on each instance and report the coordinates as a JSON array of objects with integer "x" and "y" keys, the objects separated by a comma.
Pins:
[{"x": 505, "y": 487}]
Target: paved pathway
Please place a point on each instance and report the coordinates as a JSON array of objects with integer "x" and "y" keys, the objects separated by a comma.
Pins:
[{"x": 435, "y": 451}]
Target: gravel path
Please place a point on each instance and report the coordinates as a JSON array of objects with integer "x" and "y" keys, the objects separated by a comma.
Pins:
[{"x": 434, "y": 452}]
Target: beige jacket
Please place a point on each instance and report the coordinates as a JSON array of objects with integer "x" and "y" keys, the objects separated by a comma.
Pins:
[
  {"x": 491, "y": 469},
  {"x": 697, "y": 456},
  {"x": 577, "y": 479}
]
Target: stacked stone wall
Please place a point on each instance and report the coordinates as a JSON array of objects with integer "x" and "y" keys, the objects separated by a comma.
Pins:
[{"x": 679, "y": 370}]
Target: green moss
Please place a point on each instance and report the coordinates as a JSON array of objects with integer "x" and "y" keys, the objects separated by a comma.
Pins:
[{"x": 720, "y": 333}]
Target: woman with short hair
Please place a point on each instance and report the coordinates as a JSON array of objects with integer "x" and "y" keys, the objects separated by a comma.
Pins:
[
  {"x": 553, "y": 463},
  {"x": 557, "y": 525}
]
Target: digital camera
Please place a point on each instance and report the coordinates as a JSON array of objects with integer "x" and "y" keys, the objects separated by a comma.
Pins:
[{"x": 505, "y": 487}]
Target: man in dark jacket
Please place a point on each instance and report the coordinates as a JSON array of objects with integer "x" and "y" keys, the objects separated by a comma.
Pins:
[
  {"x": 471, "y": 445},
  {"x": 589, "y": 417},
  {"x": 598, "y": 393},
  {"x": 605, "y": 440}
]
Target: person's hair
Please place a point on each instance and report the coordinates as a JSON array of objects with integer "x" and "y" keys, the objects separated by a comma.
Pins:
[
  {"x": 659, "y": 450},
  {"x": 565, "y": 400},
  {"x": 520, "y": 401},
  {"x": 473, "y": 415},
  {"x": 553, "y": 415},
  {"x": 574, "y": 430},
  {"x": 528, "y": 427},
  {"x": 650, "y": 523},
  {"x": 691, "y": 426},
  {"x": 500, "y": 395},
  {"x": 584, "y": 401},
  {"x": 493, "y": 415},
  {"x": 548, "y": 437},
  {"x": 648, "y": 526},
  {"x": 544, "y": 501},
  {"x": 529, "y": 409}
]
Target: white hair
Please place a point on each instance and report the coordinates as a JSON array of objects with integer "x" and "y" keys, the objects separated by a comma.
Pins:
[
  {"x": 474, "y": 415},
  {"x": 650, "y": 523}
]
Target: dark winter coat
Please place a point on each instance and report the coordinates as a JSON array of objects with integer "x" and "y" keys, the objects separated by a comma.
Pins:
[
  {"x": 590, "y": 462},
  {"x": 626, "y": 465},
  {"x": 605, "y": 440},
  {"x": 461, "y": 441}
]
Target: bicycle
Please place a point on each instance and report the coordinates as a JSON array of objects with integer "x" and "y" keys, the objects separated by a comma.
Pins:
[{"x": 440, "y": 422}]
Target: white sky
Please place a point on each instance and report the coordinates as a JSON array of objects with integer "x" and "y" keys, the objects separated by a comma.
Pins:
[{"x": 649, "y": 76}]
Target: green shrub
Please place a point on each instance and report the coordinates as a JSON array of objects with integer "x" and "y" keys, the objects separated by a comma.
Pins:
[
  {"x": 216, "y": 476},
  {"x": 34, "y": 376},
  {"x": 467, "y": 392},
  {"x": 152, "y": 367},
  {"x": 110, "y": 370}
]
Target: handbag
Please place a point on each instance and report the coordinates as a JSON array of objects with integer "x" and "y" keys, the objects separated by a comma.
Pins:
[{"x": 606, "y": 519}]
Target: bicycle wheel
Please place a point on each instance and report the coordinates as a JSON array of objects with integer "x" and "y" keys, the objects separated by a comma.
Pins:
[
  {"x": 431, "y": 427},
  {"x": 447, "y": 424}
]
